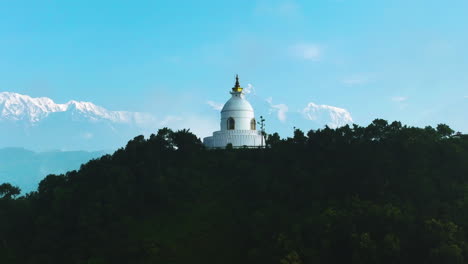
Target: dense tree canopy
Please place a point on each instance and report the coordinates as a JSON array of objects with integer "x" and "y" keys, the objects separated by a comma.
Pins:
[{"x": 385, "y": 193}]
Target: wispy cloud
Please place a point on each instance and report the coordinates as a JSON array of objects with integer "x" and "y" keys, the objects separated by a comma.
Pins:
[
  {"x": 332, "y": 115},
  {"x": 280, "y": 109},
  {"x": 216, "y": 106},
  {"x": 87, "y": 135},
  {"x": 169, "y": 119},
  {"x": 355, "y": 80},
  {"x": 399, "y": 99},
  {"x": 466, "y": 96},
  {"x": 306, "y": 51},
  {"x": 249, "y": 89}
]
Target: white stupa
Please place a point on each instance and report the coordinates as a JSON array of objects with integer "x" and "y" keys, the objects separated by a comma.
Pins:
[{"x": 238, "y": 125}]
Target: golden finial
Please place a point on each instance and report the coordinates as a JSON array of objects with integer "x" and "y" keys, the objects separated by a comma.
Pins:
[{"x": 237, "y": 87}]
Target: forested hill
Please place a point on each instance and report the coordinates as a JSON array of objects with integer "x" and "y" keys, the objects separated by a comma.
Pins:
[{"x": 385, "y": 193}]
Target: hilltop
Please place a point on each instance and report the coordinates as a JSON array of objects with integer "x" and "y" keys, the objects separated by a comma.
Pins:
[{"x": 385, "y": 193}]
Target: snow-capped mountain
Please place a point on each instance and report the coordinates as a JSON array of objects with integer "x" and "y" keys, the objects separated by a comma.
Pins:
[
  {"x": 284, "y": 118},
  {"x": 42, "y": 124},
  {"x": 330, "y": 115},
  {"x": 16, "y": 107}
]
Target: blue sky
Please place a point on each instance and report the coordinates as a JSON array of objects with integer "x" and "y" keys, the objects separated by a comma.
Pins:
[{"x": 397, "y": 60}]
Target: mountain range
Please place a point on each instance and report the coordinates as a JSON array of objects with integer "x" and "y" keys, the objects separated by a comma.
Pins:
[
  {"x": 18, "y": 107},
  {"x": 41, "y": 124}
]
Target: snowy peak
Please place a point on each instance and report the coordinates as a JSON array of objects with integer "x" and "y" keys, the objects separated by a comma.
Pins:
[
  {"x": 331, "y": 115},
  {"x": 18, "y": 107},
  {"x": 42, "y": 124},
  {"x": 90, "y": 111}
]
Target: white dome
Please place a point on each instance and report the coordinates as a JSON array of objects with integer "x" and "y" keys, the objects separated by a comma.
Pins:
[
  {"x": 238, "y": 109},
  {"x": 238, "y": 124},
  {"x": 237, "y": 103}
]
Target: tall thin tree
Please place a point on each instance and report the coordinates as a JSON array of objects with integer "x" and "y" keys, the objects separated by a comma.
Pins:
[{"x": 262, "y": 128}]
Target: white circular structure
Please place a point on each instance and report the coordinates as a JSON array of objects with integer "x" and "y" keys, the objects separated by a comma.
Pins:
[{"x": 238, "y": 124}]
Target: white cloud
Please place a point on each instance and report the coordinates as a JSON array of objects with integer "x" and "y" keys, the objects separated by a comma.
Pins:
[
  {"x": 280, "y": 109},
  {"x": 143, "y": 119},
  {"x": 306, "y": 51},
  {"x": 333, "y": 116},
  {"x": 88, "y": 135},
  {"x": 355, "y": 80},
  {"x": 169, "y": 119},
  {"x": 250, "y": 89},
  {"x": 466, "y": 97},
  {"x": 399, "y": 99},
  {"x": 216, "y": 106}
]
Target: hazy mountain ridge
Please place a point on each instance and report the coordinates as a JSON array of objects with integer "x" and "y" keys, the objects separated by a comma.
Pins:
[{"x": 26, "y": 168}]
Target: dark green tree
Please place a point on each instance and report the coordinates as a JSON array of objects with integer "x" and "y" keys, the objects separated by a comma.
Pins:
[{"x": 8, "y": 191}]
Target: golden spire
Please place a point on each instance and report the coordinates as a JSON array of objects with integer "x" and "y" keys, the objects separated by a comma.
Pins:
[{"x": 237, "y": 87}]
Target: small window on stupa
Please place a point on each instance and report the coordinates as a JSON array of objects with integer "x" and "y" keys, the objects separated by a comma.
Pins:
[
  {"x": 253, "y": 124},
  {"x": 231, "y": 124}
]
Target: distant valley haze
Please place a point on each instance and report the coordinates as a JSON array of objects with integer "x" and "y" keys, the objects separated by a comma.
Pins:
[{"x": 25, "y": 168}]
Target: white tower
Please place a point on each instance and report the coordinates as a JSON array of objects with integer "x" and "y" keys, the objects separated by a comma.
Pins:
[{"x": 238, "y": 125}]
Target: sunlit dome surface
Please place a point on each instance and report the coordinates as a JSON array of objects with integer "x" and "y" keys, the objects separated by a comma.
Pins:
[{"x": 237, "y": 103}]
